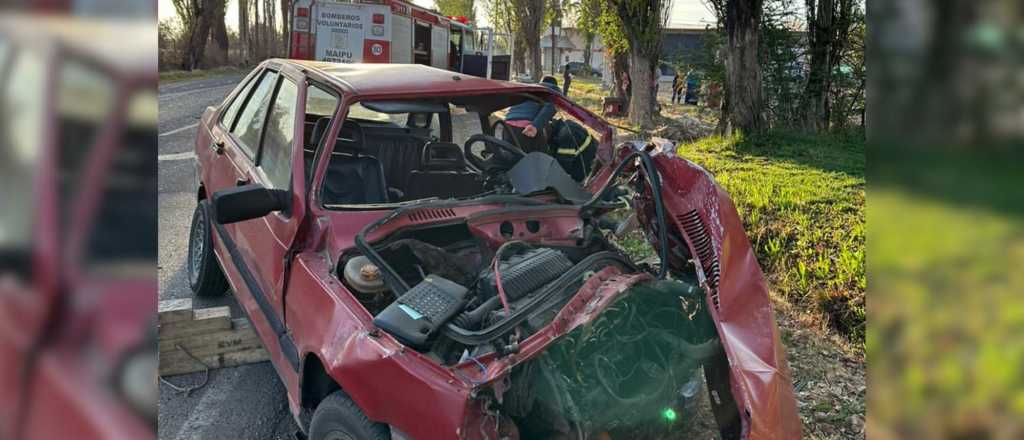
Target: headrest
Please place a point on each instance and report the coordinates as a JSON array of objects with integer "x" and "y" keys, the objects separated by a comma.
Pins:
[
  {"x": 443, "y": 156},
  {"x": 319, "y": 129}
]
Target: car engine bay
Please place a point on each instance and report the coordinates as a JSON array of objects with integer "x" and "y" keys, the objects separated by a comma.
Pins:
[{"x": 459, "y": 289}]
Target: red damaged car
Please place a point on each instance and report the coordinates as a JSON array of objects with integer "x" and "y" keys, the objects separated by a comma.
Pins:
[{"x": 415, "y": 276}]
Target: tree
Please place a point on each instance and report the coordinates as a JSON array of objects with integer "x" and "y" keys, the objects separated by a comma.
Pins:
[
  {"x": 642, "y": 24},
  {"x": 197, "y": 16},
  {"x": 610, "y": 28},
  {"x": 554, "y": 19},
  {"x": 286, "y": 18},
  {"x": 457, "y": 8},
  {"x": 531, "y": 18},
  {"x": 742, "y": 108},
  {"x": 828, "y": 30},
  {"x": 243, "y": 31},
  {"x": 220, "y": 29},
  {"x": 587, "y": 16}
]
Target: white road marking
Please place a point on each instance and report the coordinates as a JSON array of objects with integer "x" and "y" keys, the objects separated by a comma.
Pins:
[
  {"x": 176, "y": 156},
  {"x": 179, "y": 130}
]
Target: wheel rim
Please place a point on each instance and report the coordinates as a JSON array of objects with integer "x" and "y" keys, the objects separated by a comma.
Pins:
[{"x": 195, "y": 250}]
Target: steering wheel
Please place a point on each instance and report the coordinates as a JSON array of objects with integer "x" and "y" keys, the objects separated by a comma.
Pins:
[
  {"x": 505, "y": 129},
  {"x": 496, "y": 154}
]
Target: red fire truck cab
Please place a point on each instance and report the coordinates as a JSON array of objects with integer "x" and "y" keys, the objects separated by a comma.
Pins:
[{"x": 389, "y": 31}]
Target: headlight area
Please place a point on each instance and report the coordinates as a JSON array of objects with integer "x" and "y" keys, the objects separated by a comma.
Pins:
[{"x": 633, "y": 372}]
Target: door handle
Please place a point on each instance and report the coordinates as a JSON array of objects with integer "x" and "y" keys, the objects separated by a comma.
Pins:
[
  {"x": 218, "y": 146},
  {"x": 242, "y": 181}
]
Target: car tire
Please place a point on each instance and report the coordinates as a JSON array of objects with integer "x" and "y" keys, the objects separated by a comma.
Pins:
[
  {"x": 339, "y": 418},
  {"x": 205, "y": 276}
]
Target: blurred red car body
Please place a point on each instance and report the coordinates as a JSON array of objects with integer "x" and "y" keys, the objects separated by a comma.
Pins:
[{"x": 76, "y": 308}]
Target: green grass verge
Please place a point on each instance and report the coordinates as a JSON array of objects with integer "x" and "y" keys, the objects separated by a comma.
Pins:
[
  {"x": 802, "y": 202},
  {"x": 946, "y": 339},
  {"x": 185, "y": 75}
]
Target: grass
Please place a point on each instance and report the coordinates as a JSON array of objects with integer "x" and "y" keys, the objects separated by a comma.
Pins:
[
  {"x": 171, "y": 76},
  {"x": 947, "y": 317},
  {"x": 802, "y": 201}
]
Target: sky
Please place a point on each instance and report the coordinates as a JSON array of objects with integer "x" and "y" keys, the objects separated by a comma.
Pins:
[{"x": 685, "y": 13}]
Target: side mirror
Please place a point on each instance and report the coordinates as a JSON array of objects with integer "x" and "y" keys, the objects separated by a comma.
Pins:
[{"x": 248, "y": 202}]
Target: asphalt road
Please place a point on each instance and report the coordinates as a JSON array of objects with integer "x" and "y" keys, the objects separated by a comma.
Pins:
[{"x": 246, "y": 402}]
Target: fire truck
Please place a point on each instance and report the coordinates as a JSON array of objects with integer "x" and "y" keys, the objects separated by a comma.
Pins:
[{"x": 393, "y": 31}]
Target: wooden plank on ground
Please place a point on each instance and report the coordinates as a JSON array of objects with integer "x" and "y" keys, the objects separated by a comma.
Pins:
[
  {"x": 203, "y": 321},
  {"x": 180, "y": 363},
  {"x": 209, "y": 335},
  {"x": 241, "y": 335},
  {"x": 174, "y": 310}
]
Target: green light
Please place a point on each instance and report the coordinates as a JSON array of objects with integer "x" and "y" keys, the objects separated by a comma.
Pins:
[{"x": 669, "y": 414}]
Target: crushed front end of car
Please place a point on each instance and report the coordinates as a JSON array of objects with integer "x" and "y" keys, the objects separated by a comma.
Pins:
[{"x": 519, "y": 315}]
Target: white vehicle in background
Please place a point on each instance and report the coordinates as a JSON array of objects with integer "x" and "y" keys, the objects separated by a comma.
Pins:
[{"x": 392, "y": 31}]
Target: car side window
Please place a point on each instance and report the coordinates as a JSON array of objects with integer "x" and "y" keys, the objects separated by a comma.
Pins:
[
  {"x": 231, "y": 113},
  {"x": 250, "y": 122},
  {"x": 275, "y": 157}
]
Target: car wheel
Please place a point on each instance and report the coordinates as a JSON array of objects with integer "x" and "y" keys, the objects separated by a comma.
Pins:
[
  {"x": 205, "y": 276},
  {"x": 339, "y": 418}
]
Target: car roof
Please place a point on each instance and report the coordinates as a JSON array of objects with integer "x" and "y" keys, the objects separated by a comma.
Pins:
[
  {"x": 401, "y": 79},
  {"x": 127, "y": 46}
]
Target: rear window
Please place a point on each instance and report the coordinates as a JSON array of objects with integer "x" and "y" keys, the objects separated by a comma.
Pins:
[{"x": 357, "y": 111}]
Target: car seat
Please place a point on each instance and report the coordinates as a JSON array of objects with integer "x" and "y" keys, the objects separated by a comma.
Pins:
[
  {"x": 353, "y": 177},
  {"x": 442, "y": 173}
]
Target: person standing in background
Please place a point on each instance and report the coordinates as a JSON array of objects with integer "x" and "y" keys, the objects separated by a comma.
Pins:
[
  {"x": 566, "y": 78},
  {"x": 676, "y": 88}
]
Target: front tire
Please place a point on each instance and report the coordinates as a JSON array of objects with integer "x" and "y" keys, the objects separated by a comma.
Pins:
[
  {"x": 205, "y": 276},
  {"x": 339, "y": 418}
]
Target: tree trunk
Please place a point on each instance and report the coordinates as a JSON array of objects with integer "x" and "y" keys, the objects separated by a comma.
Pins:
[
  {"x": 742, "y": 67},
  {"x": 243, "y": 32},
  {"x": 198, "y": 35},
  {"x": 256, "y": 24},
  {"x": 821, "y": 33},
  {"x": 531, "y": 22},
  {"x": 220, "y": 29},
  {"x": 533, "y": 48},
  {"x": 619, "y": 71},
  {"x": 286, "y": 14},
  {"x": 519, "y": 54},
  {"x": 642, "y": 99}
]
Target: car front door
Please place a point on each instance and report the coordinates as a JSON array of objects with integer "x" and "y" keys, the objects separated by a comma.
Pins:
[{"x": 262, "y": 146}]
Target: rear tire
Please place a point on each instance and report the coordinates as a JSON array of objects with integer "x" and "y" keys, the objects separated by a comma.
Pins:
[
  {"x": 205, "y": 276},
  {"x": 339, "y": 418}
]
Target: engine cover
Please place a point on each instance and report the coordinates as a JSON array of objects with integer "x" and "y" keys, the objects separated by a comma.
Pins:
[{"x": 525, "y": 273}]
